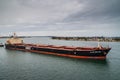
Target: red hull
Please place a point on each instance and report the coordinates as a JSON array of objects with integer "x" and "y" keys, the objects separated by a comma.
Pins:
[{"x": 64, "y": 55}]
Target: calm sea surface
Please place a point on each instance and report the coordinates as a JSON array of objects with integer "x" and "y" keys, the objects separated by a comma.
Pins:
[{"x": 19, "y": 65}]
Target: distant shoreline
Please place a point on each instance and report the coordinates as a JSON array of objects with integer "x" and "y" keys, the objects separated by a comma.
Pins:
[
  {"x": 101, "y": 39},
  {"x": 17, "y": 36}
]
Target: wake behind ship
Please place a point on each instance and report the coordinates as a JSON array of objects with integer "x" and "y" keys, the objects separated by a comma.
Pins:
[{"x": 99, "y": 52}]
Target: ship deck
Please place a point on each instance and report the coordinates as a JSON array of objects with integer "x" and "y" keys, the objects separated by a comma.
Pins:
[{"x": 70, "y": 48}]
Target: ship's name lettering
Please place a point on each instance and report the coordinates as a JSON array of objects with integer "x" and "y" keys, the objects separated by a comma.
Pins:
[
  {"x": 95, "y": 52},
  {"x": 27, "y": 47}
]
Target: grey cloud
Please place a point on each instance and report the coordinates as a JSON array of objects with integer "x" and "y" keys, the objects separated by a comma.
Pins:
[
  {"x": 97, "y": 10},
  {"x": 47, "y": 15},
  {"x": 31, "y": 11}
]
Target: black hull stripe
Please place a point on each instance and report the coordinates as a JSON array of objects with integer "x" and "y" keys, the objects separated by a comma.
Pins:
[{"x": 65, "y": 55}]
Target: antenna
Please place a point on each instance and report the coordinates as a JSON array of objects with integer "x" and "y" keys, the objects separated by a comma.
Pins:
[
  {"x": 99, "y": 46},
  {"x": 14, "y": 35},
  {"x": 98, "y": 43}
]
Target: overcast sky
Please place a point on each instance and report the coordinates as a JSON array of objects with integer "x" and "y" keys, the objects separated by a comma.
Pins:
[{"x": 60, "y": 17}]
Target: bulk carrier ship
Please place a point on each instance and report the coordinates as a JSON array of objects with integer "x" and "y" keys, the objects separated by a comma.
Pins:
[{"x": 99, "y": 52}]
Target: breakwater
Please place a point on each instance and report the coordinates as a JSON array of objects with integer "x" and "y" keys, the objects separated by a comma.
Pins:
[{"x": 102, "y": 39}]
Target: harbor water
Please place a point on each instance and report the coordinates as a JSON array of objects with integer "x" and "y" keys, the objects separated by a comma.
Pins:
[{"x": 19, "y": 65}]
